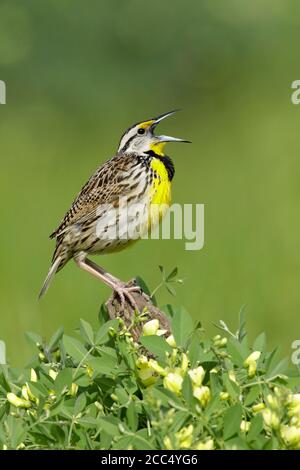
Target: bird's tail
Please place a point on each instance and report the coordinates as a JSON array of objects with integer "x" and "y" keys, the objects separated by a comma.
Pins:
[{"x": 54, "y": 267}]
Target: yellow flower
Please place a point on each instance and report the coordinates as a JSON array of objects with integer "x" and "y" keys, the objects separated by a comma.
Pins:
[
  {"x": 184, "y": 437},
  {"x": 202, "y": 394},
  {"x": 153, "y": 365},
  {"x": 142, "y": 362},
  {"x": 184, "y": 363},
  {"x": 253, "y": 357},
  {"x": 73, "y": 389},
  {"x": 171, "y": 341},
  {"x": 207, "y": 445},
  {"x": 53, "y": 374},
  {"x": 244, "y": 426},
  {"x": 18, "y": 402},
  {"x": 270, "y": 418},
  {"x": 150, "y": 327},
  {"x": 232, "y": 376},
  {"x": 291, "y": 436},
  {"x": 33, "y": 376},
  {"x": 147, "y": 376},
  {"x": 168, "y": 443},
  {"x": 251, "y": 363},
  {"x": 173, "y": 382},
  {"x": 273, "y": 402},
  {"x": 219, "y": 342},
  {"x": 224, "y": 396},
  {"x": 197, "y": 375},
  {"x": 258, "y": 407}
]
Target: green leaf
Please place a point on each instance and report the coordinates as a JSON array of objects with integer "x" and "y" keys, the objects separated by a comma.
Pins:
[
  {"x": 170, "y": 289},
  {"x": 187, "y": 390},
  {"x": 110, "y": 425},
  {"x": 103, "y": 315},
  {"x": 237, "y": 351},
  {"x": 182, "y": 326},
  {"x": 172, "y": 274},
  {"x": 156, "y": 345},
  {"x": 103, "y": 364},
  {"x": 33, "y": 338},
  {"x": 242, "y": 324},
  {"x": 252, "y": 395},
  {"x": 132, "y": 417},
  {"x": 256, "y": 427},
  {"x": 140, "y": 282},
  {"x": 80, "y": 404},
  {"x": 232, "y": 421},
  {"x": 231, "y": 387},
  {"x": 195, "y": 348},
  {"x": 280, "y": 368},
  {"x": 75, "y": 348},
  {"x": 63, "y": 380},
  {"x": 260, "y": 343},
  {"x": 102, "y": 335},
  {"x": 55, "y": 338},
  {"x": 86, "y": 332},
  {"x": 162, "y": 271}
]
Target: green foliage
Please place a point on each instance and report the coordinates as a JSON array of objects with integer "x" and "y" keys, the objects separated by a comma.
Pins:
[{"x": 102, "y": 390}]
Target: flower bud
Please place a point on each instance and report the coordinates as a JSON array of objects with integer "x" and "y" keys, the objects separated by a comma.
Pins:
[
  {"x": 252, "y": 358},
  {"x": 33, "y": 376},
  {"x": 161, "y": 332},
  {"x": 197, "y": 375},
  {"x": 168, "y": 443},
  {"x": 18, "y": 402},
  {"x": 25, "y": 393},
  {"x": 147, "y": 376},
  {"x": 142, "y": 362},
  {"x": 273, "y": 402},
  {"x": 207, "y": 445},
  {"x": 184, "y": 437},
  {"x": 53, "y": 374},
  {"x": 184, "y": 363},
  {"x": 224, "y": 396},
  {"x": 171, "y": 341},
  {"x": 150, "y": 328},
  {"x": 202, "y": 394},
  {"x": 173, "y": 382},
  {"x": 245, "y": 426},
  {"x": 73, "y": 389},
  {"x": 270, "y": 418},
  {"x": 232, "y": 376},
  {"x": 291, "y": 436},
  {"x": 252, "y": 369},
  {"x": 220, "y": 342},
  {"x": 153, "y": 365},
  {"x": 258, "y": 407}
]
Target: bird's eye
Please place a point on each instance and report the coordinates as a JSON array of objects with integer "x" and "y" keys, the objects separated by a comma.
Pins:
[{"x": 141, "y": 131}]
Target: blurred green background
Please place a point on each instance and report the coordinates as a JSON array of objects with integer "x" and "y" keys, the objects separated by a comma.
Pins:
[{"x": 78, "y": 74}]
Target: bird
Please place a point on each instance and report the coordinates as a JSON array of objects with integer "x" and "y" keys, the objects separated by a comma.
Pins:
[{"x": 121, "y": 201}]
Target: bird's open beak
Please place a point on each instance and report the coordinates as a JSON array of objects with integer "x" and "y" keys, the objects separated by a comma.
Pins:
[{"x": 167, "y": 138}]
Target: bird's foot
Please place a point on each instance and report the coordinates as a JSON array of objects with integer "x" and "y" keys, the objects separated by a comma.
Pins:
[{"x": 124, "y": 292}]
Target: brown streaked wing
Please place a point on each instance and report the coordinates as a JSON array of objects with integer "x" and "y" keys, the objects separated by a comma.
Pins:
[{"x": 103, "y": 187}]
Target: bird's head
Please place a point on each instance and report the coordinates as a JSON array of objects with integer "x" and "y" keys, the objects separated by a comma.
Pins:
[{"x": 140, "y": 137}]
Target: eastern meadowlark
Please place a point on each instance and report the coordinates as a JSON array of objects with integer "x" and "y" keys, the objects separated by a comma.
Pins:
[{"x": 118, "y": 204}]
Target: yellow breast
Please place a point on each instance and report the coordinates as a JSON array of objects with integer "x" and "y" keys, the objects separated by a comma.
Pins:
[{"x": 160, "y": 193}]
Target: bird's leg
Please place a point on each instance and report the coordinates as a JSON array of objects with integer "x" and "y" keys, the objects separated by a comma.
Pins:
[
  {"x": 107, "y": 279},
  {"x": 114, "y": 279}
]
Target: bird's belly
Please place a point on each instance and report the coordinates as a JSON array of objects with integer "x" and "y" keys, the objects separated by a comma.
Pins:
[{"x": 119, "y": 228}]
